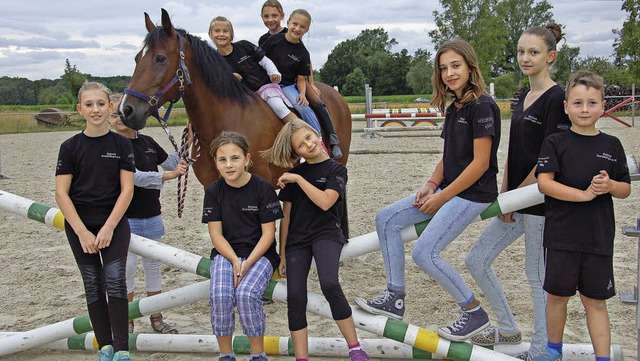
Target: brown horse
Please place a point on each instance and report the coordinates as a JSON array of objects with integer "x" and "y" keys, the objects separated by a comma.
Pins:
[{"x": 174, "y": 64}]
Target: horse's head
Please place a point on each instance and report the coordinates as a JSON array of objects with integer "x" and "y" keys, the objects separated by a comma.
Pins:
[{"x": 160, "y": 74}]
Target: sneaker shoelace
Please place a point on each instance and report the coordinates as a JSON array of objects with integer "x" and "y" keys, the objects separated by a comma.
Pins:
[
  {"x": 384, "y": 297},
  {"x": 461, "y": 322}
]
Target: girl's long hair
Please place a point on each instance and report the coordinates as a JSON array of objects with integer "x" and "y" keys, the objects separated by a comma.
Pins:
[
  {"x": 282, "y": 153},
  {"x": 472, "y": 90}
]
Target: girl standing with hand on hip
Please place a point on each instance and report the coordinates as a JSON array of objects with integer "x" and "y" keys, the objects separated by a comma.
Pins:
[
  {"x": 94, "y": 186},
  {"x": 311, "y": 229},
  {"x": 462, "y": 185},
  {"x": 539, "y": 113},
  {"x": 241, "y": 210}
]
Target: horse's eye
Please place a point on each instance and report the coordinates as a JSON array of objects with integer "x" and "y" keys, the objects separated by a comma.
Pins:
[{"x": 160, "y": 59}]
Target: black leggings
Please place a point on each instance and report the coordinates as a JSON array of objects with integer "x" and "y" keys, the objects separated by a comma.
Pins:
[
  {"x": 103, "y": 274},
  {"x": 327, "y": 256}
]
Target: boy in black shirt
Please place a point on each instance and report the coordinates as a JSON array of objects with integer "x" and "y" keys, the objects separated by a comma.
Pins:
[{"x": 579, "y": 171}]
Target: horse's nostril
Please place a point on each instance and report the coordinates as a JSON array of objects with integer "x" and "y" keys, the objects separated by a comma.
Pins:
[{"x": 128, "y": 111}]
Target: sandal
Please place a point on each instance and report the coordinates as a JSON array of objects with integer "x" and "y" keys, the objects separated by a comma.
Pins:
[
  {"x": 131, "y": 326},
  {"x": 158, "y": 325}
]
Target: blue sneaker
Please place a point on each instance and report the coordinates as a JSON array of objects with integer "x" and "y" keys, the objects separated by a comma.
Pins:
[
  {"x": 549, "y": 355},
  {"x": 122, "y": 356},
  {"x": 105, "y": 353},
  {"x": 227, "y": 358}
]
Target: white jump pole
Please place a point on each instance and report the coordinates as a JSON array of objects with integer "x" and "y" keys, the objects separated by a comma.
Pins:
[
  {"x": 71, "y": 327},
  {"x": 380, "y": 348}
]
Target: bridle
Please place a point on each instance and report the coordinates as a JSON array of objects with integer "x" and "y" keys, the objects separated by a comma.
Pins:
[{"x": 182, "y": 75}]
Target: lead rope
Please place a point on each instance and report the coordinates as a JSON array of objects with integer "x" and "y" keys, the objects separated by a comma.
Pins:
[{"x": 183, "y": 153}]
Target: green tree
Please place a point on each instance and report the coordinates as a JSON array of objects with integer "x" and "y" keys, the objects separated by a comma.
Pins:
[
  {"x": 565, "y": 64},
  {"x": 370, "y": 51},
  {"x": 505, "y": 85},
  {"x": 73, "y": 78},
  {"x": 420, "y": 72},
  {"x": 17, "y": 91},
  {"x": 518, "y": 16},
  {"x": 479, "y": 23},
  {"x": 612, "y": 74},
  {"x": 354, "y": 85},
  {"x": 627, "y": 43}
]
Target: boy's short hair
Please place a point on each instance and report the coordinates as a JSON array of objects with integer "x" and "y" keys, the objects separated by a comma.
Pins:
[{"x": 586, "y": 78}]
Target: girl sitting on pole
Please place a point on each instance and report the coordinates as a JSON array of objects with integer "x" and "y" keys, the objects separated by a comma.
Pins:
[{"x": 241, "y": 210}]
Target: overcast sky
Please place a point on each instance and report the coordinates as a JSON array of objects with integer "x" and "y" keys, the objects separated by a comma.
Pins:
[{"x": 102, "y": 37}]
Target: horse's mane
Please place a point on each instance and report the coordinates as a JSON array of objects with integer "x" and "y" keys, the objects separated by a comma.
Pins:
[{"x": 216, "y": 72}]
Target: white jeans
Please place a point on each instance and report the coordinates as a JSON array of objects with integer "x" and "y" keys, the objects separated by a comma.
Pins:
[{"x": 495, "y": 238}]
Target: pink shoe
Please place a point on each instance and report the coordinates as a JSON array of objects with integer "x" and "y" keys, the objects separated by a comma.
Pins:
[{"x": 358, "y": 355}]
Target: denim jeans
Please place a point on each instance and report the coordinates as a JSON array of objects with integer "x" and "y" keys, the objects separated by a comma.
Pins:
[
  {"x": 445, "y": 226},
  {"x": 495, "y": 238},
  {"x": 307, "y": 114},
  {"x": 151, "y": 228}
]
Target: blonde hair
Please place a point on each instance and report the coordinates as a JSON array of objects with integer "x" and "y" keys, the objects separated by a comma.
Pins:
[
  {"x": 92, "y": 85},
  {"x": 282, "y": 153},
  {"x": 273, "y": 3},
  {"x": 234, "y": 138},
  {"x": 302, "y": 12},
  {"x": 586, "y": 78},
  {"x": 474, "y": 88},
  {"x": 221, "y": 19}
]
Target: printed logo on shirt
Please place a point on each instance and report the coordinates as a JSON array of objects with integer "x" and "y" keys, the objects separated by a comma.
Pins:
[
  {"x": 273, "y": 207},
  {"x": 542, "y": 161},
  {"x": 487, "y": 122},
  {"x": 462, "y": 120},
  {"x": 532, "y": 119},
  {"x": 294, "y": 58},
  {"x": 607, "y": 157},
  {"x": 111, "y": 155},
  {"x": 321, "y": 180},
  {"x": 242, "y": 60},
  {"x": 562, "y": 126},
  {"x": 250, "y": 208},
  {"x": 150, "y": 151},
  {"x": 207, "y": 211}
]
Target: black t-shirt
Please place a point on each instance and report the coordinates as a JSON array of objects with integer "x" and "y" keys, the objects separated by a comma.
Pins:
[
  {"x": 308, "y": 222},
  {"x": 95, "y": 164},
  {"x": 242, "y": 212},
  {"x": 476, "y": 119},
  {"x": 290, "y": 59},
  {"x": 148, "y": 155},
  {"x": 267, "y": 35},
  {"x": 576, "y": 159},
  {"x": 528, "y": 130},
  {"x": 244, "y": 59}
]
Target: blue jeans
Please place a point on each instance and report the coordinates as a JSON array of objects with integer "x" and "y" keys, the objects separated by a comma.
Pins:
[
  {"x": 307, "y": 114},
  {"x": 445, "y": 226},
  {"x": 495, "y": 238},
  {"x": 151, "y": 228}
]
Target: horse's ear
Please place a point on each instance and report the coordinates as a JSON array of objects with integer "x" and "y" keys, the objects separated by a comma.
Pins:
[
  {"x": 148, "y": 23},
  {"x": 166, "y": 22}
]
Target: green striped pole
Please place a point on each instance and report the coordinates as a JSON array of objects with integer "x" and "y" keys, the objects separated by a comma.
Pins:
[
  {"x": 71, "y": 327},
  {"x": 379, "y": 348},
  {"x": 414, "y": 336}
]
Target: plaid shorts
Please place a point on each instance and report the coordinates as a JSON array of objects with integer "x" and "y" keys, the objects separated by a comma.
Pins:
[{"x": 223, "y": 297}]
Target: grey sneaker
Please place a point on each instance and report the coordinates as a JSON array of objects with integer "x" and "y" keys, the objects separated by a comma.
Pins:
[
  {"x": 259, "y": 358},
  {"x": 493, "y": 336},
  {"x": 387, "y": 303},
  {"x": 524, "y": 355},
  {"x": 549, "y": 355},
  {"x": 467, "y": 325},
  {"x": 227, "y": 358}
]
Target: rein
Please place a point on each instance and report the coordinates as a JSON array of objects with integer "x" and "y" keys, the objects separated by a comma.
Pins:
[{"x": 182, "y": 75}]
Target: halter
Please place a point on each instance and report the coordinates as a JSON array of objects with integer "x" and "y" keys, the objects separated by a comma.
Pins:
[{"x": 182, "y": 74}]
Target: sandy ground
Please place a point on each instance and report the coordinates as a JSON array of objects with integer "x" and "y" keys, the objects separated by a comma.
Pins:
[{"x": 41, "y": 284}]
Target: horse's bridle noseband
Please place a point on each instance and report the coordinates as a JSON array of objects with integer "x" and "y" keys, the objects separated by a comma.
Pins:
[{"x": 182, "y": 74}]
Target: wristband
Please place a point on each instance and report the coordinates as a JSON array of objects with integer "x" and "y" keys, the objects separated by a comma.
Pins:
[{"x": 434, "y": 183}]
